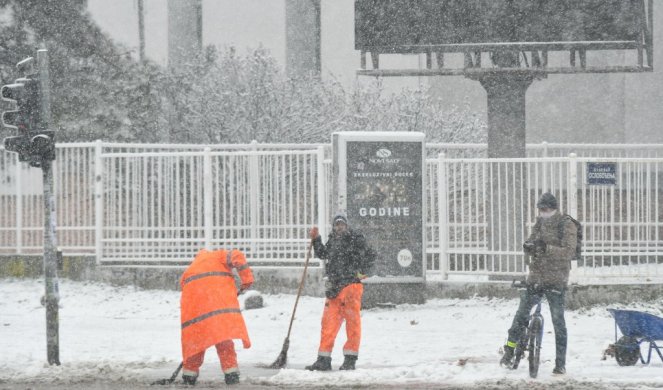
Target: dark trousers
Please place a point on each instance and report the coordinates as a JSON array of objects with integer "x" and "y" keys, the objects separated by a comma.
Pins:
[{"x": 555, "y": 297}]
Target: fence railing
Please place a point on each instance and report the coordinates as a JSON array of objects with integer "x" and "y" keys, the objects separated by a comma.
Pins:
[
  {"x": 490, "y": 208},
  {"x": 155, "y": 205}
]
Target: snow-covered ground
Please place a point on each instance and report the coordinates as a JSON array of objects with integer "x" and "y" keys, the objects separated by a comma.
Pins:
[{"x": 131, "y": 336}]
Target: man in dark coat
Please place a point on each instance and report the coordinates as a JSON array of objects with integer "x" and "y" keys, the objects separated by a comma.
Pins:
[
  {"x": 348, "y": 260},
  {"x": 551, "y": 247}
]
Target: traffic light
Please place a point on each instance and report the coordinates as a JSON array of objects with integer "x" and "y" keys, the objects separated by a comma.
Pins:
[
  {"x": 33, "y": 142},
  {"x": 25, "y": 93}
]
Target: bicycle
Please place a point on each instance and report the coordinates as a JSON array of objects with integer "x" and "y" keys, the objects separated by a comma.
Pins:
[{"x": 532, "y": 337}]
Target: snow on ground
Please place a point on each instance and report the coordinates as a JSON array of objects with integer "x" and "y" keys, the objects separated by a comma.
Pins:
[{"x": 128, "y": 335}]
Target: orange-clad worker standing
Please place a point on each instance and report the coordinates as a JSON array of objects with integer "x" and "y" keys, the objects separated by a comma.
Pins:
[
  {"x": 210, "y": 312},
  {"x": 348, "y": 259}
]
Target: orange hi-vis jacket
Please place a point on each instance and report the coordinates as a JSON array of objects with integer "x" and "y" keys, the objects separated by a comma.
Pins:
[{"x": 209, "y": 307}]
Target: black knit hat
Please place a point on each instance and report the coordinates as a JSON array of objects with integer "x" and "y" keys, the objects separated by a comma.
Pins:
[
  {"x": 547, "y": 200},
  {"x": 340, "y": 217}
]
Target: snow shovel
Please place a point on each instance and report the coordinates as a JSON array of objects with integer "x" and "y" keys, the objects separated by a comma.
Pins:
[
  {"x": 171, "y": 379},
  {"x": 283, "y": 356}
]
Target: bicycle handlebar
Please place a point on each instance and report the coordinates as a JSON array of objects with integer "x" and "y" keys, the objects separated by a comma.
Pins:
[{"x": 519, "y": 284}]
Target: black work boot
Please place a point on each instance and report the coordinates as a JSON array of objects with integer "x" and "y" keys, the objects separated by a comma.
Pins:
[
  {"x": 507, "y": 358},
  {"x": 348, "y": 362},
  {"x": 232, "y": 378},
  {"x": 189, "y": 379},
  {"x": 559, "y": 370},
  {"x": 322, "y": 364}
]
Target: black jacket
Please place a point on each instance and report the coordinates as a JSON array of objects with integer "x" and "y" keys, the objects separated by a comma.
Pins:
[{"x": 345, "y": 256}]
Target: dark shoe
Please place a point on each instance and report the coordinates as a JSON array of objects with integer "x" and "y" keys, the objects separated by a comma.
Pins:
[
  {"x": 507, "y": 358},
  {"x": 322, "y": 364},
  {"x": 232, "y": 378},
  {"x": 348, "y": 362},
  {"x": 189, "y": 380},
  {"x": 559, "y": 370}
]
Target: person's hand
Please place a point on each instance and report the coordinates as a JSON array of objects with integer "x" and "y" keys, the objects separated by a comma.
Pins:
[
  {"x": 244, "y": 287},
  {"x": 528, "y": 247},
  {"x": 540, "y": 247},
  {"x": 314, "y": 233},
  {"x": 361, "y": 276}
]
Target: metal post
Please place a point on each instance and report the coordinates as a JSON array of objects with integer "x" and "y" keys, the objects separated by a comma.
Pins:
[
  {"x": 572, "y": 194},
  {"x": 98, "y": 201},
  {"x": 50, "y": 267},
  {"x": 19, "y": 207},
  {"x": 52, "y": 296},
  {"x": 208, "y": 215},
  {"x": 254, "y": 192},
  {"x": 573, "y": 186},
  {"x": 442, "y": 215},
  {"x": 322, "y": 192}
]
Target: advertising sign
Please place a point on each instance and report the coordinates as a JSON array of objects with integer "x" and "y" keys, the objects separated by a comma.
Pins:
[{"x": 381, "y": 188}]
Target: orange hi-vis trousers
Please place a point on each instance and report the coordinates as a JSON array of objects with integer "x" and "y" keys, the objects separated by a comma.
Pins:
[
  {"x": 346, "y": 306},
  {"x": 227, "y": 357}
]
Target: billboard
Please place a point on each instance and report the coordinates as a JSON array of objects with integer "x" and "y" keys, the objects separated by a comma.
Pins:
[
  {"x": 392, "y": 23},
  {"x": 380, "y": 185}
]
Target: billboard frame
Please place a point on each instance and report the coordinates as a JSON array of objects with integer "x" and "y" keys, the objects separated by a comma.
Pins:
[
  {"x": 340, "y": 142},
  {"x": 534, "y": 55}
]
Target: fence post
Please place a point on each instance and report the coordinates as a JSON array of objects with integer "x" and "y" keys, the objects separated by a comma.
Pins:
[
  {"x": 19, "y": 206},
  {"x": 98, "y": 201},
  {"x": 573, "y": 205},
  {"x": 442, "y": 204},
  {"x": 573, "y": 186},
  {"x": 322, "y": 192},
  {"x": 254, "y": 193},
  {"x": 208, "y": 215}
]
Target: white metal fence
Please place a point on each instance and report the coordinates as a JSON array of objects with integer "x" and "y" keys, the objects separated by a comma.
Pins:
[
  {"x": 156, "y": 205},
  {"x": 164, "y": 206},
  {"x": 490, "y": 208}
]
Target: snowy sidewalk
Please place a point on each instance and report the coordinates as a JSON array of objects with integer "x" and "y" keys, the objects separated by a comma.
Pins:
[{"x": 128, "y": 336}]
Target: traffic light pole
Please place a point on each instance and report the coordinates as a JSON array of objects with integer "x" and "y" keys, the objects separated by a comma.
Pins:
[{"x": 52, "y": 296}]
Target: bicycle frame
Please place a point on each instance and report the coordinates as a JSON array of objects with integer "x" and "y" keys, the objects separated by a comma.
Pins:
[
  {"x": 537, "y": 314},
  {"x": 527, "y": 342}
]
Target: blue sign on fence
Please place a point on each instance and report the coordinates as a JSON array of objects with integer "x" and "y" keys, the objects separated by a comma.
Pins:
[{"x": 604, "y": 173}]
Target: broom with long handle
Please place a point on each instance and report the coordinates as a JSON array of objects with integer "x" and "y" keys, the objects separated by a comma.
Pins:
[
  {"x": 169, "y": 380},
  {"x": 281, "y": 361}
]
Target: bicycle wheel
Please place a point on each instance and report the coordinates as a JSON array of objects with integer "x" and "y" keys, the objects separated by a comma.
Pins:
[{"x": 534, "y": 346}]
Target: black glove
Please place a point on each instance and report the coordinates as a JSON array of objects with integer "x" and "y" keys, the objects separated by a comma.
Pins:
[
  {"x": 539, "y": 247},
  {"x": 528, "y": 248}
]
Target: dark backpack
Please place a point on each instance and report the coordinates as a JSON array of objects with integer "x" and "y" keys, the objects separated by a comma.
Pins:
[{"x": 579, "y": 237}]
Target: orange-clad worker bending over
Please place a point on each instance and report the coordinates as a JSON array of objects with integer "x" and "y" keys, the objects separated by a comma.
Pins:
[{"x": 210, "y": 312}]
